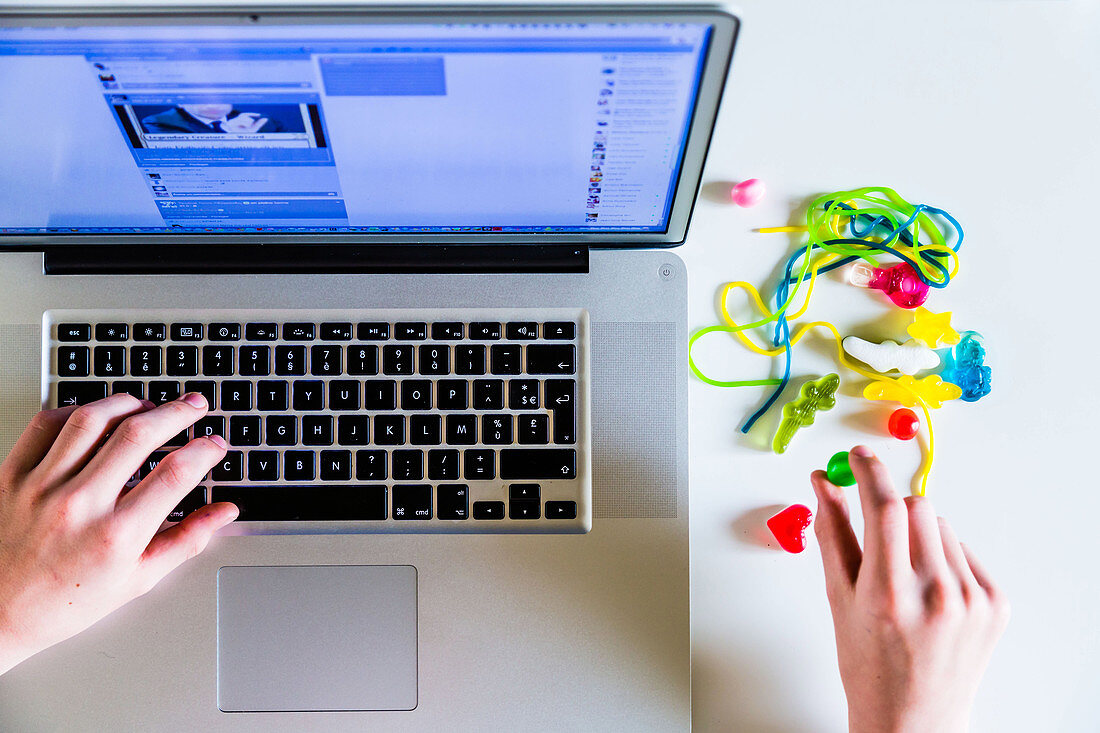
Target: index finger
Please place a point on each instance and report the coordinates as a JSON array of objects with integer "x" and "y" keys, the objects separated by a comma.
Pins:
[{"x": 885, "y": 518}]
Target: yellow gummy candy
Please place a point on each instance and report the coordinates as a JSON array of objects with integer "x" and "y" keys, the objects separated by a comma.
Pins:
[
  {"x": 933, "y": 390},
  {"x": 933, "y": 329}
]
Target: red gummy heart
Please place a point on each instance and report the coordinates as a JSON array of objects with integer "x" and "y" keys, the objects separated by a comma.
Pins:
[{"x": 789, "y": 527}]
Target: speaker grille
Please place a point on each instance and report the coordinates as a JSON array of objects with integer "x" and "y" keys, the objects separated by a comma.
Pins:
[
  {"x": 634, "y": 419},
  {"x": 20, "y": 380}
]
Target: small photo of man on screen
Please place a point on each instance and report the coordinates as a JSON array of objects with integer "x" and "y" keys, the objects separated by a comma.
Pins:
[{"x": 212, "y": 117}]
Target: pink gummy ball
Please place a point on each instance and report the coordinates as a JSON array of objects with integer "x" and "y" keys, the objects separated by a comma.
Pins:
[{"x": 748, "y": 193}]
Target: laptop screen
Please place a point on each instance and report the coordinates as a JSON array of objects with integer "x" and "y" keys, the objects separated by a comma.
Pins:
[{"x": 397, "y": 128}]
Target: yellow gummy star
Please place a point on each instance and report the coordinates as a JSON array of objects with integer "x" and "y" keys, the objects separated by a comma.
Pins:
[
  {"x": 933, "y": 329},
  {"x": 933, "y": 390}
]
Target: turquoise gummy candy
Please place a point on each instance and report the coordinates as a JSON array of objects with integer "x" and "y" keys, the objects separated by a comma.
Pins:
[{"x": 839, "y": 471}]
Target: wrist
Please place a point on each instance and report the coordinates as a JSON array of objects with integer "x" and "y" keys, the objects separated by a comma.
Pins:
[{"x": 908, "y": 722}]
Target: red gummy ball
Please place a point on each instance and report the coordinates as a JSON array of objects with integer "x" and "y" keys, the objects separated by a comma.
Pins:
[{"x": 904, "y": 424}]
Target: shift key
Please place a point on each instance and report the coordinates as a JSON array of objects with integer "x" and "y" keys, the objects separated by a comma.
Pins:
[{"x": 534, "y": 463}]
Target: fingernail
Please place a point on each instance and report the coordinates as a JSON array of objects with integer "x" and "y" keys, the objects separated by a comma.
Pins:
[
  {"x": 217, "y": 440},
  {"x": 862, "y": 451},
  {"x": 195, "y": 399}
]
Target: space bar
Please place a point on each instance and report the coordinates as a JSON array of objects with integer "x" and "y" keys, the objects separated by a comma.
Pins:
[
  {"x": 318, "y": 502},
  {"x": 526, "y": 463}
]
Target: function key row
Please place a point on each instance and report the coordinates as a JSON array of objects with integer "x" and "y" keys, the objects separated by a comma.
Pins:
[{"x": 371, "y": 331}]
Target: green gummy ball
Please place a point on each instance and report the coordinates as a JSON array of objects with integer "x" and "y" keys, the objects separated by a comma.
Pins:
[{"x": 839, "y": 471}]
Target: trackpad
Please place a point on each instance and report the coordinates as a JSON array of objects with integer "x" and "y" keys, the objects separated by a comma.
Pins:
[{"x": 301, "y": 638}]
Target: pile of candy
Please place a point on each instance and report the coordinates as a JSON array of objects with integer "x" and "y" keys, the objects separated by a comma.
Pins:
[{"x": 857, "y": 228}]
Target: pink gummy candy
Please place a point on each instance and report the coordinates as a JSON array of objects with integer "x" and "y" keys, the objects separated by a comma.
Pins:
[
  {"x": 899, "y": 282},
  {"x": 789, "y": 527},
  {"x": 747, "y": 193}
]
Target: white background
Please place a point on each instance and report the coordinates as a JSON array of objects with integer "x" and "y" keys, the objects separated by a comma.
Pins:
[{"x": 990, "y": 110}]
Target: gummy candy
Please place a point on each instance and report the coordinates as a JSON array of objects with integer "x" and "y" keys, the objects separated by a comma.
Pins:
[
  {"x": 965, "y": 367},
  {"x": 933, "y": 328},
  {"x": 908, "y": 358},
  {"x": 933, "y": 390},
  {"x": 900, "y": 283},
  {"x": 789, "y": 527},
  {"x": 904, "y": 424},
  {"x": 747, "y": 193},
  {"x": 799, "y": 412},
  {"x": 839, "y": 471}
]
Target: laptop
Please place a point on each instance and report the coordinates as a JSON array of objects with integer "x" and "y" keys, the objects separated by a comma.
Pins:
[{"x": 418, "y": 260}]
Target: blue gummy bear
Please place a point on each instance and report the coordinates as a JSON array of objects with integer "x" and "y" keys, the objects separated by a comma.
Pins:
[{"x": 965, "y": 366}]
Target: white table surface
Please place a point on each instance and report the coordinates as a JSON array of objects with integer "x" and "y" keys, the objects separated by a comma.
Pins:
[{"x": 990, "y": 110}]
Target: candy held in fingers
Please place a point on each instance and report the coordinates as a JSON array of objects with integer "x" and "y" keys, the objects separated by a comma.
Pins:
[
  {"x": 789, "y": 527},
  {"x": 904, "y": 424},
  {"x": 839, "y": 470},
  {"x": 747, "y": 193}
]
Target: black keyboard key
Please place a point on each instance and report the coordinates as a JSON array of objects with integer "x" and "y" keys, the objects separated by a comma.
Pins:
[
  {"x": 329, "y": 502},
  {"x": 181, "y": 361},
  {"x": 410, "y": 331},
  {"x": 371, "y": 465},
  {"x": 373, "y": 331},
  {"x": 504, "y": 358},
  {"x": 272, "y": 395},
  {"x": 261, "y": 331},
  {"x": 80, "y": 393},
  {"x": 317, "y": 430},
  {"x": 522, "y": 331},
  {"x": 236, "y": 395},
  {"x": 452, "y": 394},
  {"x": 380, "y": 394},
  {"x": 407, "y": 465},
  {"x": 435, "y": 359},
  {"x": 134, "y": 389},
  {"x": 469, "y": 359},
  {"x": 74, "y": 332},
  {"x": 484, "y": 331},
  {"x": 448, "y": 331},
  {"x": 73, "y": 361},
  {"x": 478, "y": 464},
  {"x": 488, "y": 510},
  {"x": 362, "y": 360},
  {"x": 353, "y": 430},
  {"x": 109, "y": 361},
  {"x": 389, "y": 429},
  {"x": 534, "y": 429},
  {"x": 416, "y": 394},
  {"x": 225, "y": 332},
  {"x": 443, "y": 464},
  {"x": 298, "y": 465},
  {"x": 336, "y": 332},
  {"x": 195, "y": 499},
  {"x": 523, "y": 394},
  {"x": 412, "y": 501},
  {"x": 343, "y": 394},
  {"x": 462, "y": 429},
  {"x": 145, "y": 361},
  {"x": 244, "y": 430},
  {"x": 150, "y": 332},
  {"x": 496, "y": 429},
  {"x": 559, "y": 330},
  {"x": 217, "y": 361},
  {"x": 111, "y": 332},
  {"x": 556, "y": 359},
  {"x": 397, "y": 359},
  {"x": 263, "y": 465},
  {"x": 326, "y": 361},
  {"x": 161, "y": 392},
  {"x": 536, "y": 463},
  {"x": 299, "y": 332},
  {"x": 255, "y": 361},
  {"x": 561, "y": 396},
  {"x": 523, "y": 492},
  {"x": 231, "y": 467},
  {"x": 281, "y": 430},
  {"x": 524, "y": 509},
  {"x": 488, "y": 394},
  {"x": 561, "y": 510},
  {"x": 335, "y": 465},
  {"x": 290, "y": 361},
  {"x": 452, "y": 501},
  {"x": 210, "y": 425},
  {"x": 187, "y": 332},
  {"x": 204, "y": 387},
  {"x": 309, "y": 395},
  {"x": 425, "y": 430}
]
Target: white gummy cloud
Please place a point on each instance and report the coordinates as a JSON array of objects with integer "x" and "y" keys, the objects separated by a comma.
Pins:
[{"x": 908, "y": 358}]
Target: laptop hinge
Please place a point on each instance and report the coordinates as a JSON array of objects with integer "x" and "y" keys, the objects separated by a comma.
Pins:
[{"x": 159, "y": 259}]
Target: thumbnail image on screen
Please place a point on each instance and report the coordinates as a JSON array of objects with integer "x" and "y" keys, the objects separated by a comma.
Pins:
[{"x": 216, "y": 124}]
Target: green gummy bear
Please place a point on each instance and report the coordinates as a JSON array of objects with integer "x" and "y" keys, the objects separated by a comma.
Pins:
[{"x": 819, "y": 394}]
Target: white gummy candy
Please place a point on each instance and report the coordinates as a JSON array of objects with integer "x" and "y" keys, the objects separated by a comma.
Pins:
[{"x": 908, "y": 358}]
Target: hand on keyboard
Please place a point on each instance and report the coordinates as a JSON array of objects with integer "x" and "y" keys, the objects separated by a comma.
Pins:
[{"x": 75, "y": 544}]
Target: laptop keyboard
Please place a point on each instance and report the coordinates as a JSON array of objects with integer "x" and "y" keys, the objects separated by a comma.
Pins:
[{"x": 464, "y": 421}]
